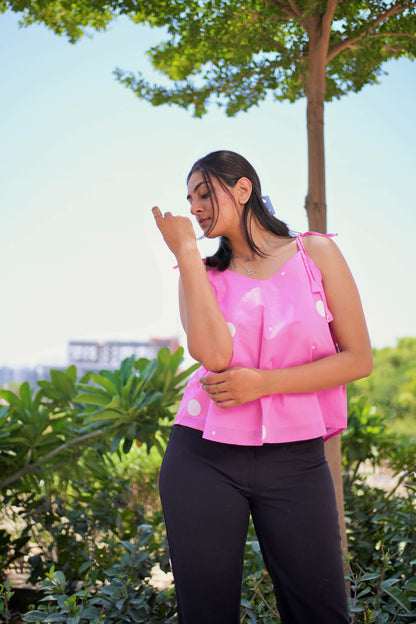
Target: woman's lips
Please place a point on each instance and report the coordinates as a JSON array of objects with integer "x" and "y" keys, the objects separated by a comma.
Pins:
[{"x": 203, "y": 222}]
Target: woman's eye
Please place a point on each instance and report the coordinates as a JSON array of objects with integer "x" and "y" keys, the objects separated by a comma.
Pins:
[{"x": 205, "y": 196}]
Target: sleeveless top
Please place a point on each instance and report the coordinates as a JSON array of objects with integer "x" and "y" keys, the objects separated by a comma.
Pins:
[{"x": 275, "y": 323}]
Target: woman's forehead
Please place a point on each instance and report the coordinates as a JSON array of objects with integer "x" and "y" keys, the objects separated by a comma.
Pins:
[{"x": 194, "y": 179}]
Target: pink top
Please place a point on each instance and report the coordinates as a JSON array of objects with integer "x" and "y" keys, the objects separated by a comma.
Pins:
[{"x": 275, "y": 323}]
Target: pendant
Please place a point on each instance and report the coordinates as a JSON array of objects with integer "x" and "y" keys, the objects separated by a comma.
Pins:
[{"x": 250, "y": 271}]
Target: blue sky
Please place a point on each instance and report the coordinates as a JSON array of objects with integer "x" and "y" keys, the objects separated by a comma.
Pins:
[{"x": 82, "y": 161}]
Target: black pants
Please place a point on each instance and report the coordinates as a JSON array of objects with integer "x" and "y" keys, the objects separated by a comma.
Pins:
[{"x": 208, "y": 491}]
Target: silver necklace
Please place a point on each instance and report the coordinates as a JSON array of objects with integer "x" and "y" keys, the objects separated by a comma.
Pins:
[{"x": 250, "y": 271}]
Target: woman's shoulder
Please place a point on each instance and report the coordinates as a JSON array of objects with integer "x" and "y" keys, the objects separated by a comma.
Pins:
[
  {"x": 320, "y": 248},
  {"x": 316, "y": 242}
]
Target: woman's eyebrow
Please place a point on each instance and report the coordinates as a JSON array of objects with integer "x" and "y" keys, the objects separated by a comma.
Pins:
[{"x": 188, "y": 197}]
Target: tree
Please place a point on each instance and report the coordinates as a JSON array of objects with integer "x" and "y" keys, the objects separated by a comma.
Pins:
[
  {"x": 63, "y": 17},
  {"x": 392, "y": 387},
  {"x": 236, "y": 53}
]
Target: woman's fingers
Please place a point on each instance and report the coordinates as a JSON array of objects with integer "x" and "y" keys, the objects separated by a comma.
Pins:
[
  {"x": 156, "y": 212},
  {"x": 176, "y": 230}
]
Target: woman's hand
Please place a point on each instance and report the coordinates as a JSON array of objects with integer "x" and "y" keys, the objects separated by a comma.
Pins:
[
  {"x": 178, "y": 232},
  {"x": 234, "y": 386}
]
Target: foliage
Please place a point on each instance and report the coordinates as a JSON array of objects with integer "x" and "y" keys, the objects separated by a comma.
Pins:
[
  {"x": 126, "y": 595},
  {"x": 267, "y": 47},
  {"x": 52, "y": 428},
  {"x": 258, "y": 602},
  {"x": 366, "y": 438},
  {"x": 392, "y": 385},
  {"x": 5, "y": 595},
  {"x": 63, "y": 17},
  {"x": 100, "y": 566},
  {"x": 381, "y": 526},
  {"x": 58, "y": 455},
  {"x": 381, "y": 531}
]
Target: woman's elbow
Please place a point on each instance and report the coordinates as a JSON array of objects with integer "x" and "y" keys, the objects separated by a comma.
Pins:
[
  {"x": 364, "y": 365},
  {"x": 216, "y": 361}
]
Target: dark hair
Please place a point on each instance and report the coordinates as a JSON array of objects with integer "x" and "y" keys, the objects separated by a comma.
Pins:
[{"x": 228, "y": 167}]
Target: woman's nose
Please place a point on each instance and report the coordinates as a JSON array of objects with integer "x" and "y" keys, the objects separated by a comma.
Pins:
[{"x": 195, "y": 208}]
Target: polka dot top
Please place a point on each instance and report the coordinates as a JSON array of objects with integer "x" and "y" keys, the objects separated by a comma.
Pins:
[{"x": 275, "y": 323}]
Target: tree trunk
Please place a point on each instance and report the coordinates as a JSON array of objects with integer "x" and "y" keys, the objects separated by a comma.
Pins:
[{"x": 315, "y": 206}]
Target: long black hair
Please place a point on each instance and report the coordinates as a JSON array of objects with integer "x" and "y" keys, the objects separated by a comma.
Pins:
[{"x": 228, "y": 167}]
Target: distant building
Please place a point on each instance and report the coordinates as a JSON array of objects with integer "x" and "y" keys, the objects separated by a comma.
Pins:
[
  {"x": 89, "y": 356},
  {"x": 95, "y": 356}
]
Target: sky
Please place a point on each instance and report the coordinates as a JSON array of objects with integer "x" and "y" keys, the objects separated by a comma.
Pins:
[{"x": 82, "y": 161}]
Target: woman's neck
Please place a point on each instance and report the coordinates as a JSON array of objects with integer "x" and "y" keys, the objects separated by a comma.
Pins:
[{"x": 241, "y": 249}]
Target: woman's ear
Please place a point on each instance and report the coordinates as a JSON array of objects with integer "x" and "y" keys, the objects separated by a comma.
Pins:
[{"x": 243, "y": 190}]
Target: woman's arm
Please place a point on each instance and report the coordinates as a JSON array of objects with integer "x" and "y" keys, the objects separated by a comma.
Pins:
[
  {"x": 240, "y": 385},
  {"x": 208, "y": 336}
]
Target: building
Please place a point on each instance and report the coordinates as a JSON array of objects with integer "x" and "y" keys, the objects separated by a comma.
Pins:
[
  {"x": 95, "y": 356},
  {"x": 89, "y": 356}
]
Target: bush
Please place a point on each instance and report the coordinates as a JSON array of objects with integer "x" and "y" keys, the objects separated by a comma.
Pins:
[
  {"x": 61, "y": 448},
  {"x": 77, "y": 486},
  {"x": 381, "y": 526},
  {"x": 125, "y": 596}
]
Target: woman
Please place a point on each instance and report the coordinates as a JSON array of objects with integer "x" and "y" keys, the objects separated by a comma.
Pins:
[{"x": 277, "y": 325}]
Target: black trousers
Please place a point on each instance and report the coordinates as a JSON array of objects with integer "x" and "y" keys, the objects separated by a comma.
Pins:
[{"x": 208, "y": 491}]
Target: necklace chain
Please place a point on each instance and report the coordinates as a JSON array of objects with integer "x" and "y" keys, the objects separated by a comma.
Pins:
[{"x": 250, "y": 271}]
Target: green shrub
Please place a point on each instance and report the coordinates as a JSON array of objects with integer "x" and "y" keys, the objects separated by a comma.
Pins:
[{"x": 126, "y": 595}]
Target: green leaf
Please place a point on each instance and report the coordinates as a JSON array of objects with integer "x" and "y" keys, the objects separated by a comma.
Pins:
[
  {"x": 4, "y": 411},
  {"x": 104, "y": 381},
  {"x": 148, "y": 371},
  {"x": 59, "y": 578},
  {"x": 63, "y": 383},
  {"x": 71, "y": 373},
  {"x": 126, "y": 369},
  {"x": 92, "y": 398},
  {"x": 10, "y": 397},
  {"x": 115, "y": 442},
  {"x": 25, "y": 393},
  {"x": 397, "y": 595},
  {"x": 164, "y": 357},
  {"x": 104, "y": 415},
  {"x": 127, "y": 445}
]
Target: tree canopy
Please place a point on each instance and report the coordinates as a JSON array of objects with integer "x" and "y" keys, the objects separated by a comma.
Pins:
[
  {"x": 64, "y": 17},
  {"x": 236, "y": 52},
  {"x": 392, "y": 386}
]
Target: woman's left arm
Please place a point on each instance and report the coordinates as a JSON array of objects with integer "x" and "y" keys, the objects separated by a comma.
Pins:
[{"x": 353, "y": 361}]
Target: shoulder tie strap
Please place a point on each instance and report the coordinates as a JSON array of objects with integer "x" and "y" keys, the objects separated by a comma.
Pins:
[{"x": 313, "y": 272}]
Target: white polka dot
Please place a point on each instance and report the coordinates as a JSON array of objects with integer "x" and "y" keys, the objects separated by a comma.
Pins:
[
  {"x": 263, "y": 432},
  {"x": 320, "y": 307},
  {"x": 282, "y": 273},
  {"x": 194, "y": 407},
  {"x": 213, "y": 433},
  {"x": 313, "y": 346},
  {"x": 231, "y": 327}
]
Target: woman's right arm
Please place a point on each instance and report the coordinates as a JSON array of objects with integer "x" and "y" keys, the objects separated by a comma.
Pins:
[{"x": 208, "y": 336}]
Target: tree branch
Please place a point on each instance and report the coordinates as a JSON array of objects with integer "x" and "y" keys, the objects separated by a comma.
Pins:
[
  {"x": 294, "y": 8},
  {"x": 393, "y": 10},
  {"x": 329, "y": 14},
  {"x": 289, "y": 8},
  {"x": 37, "y": 466}
]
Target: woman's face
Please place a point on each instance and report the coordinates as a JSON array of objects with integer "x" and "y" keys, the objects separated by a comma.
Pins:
[{"x": 206, "y": 202}]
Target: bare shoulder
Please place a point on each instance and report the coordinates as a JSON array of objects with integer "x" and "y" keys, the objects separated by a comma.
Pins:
[{"x": 323, "y": 250}]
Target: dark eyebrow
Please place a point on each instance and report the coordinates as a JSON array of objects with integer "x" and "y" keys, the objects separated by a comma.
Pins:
[{"x": 188, "y": 197}]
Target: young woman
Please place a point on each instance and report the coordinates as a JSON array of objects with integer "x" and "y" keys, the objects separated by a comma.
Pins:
[{"x": 277, "y": 325}]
